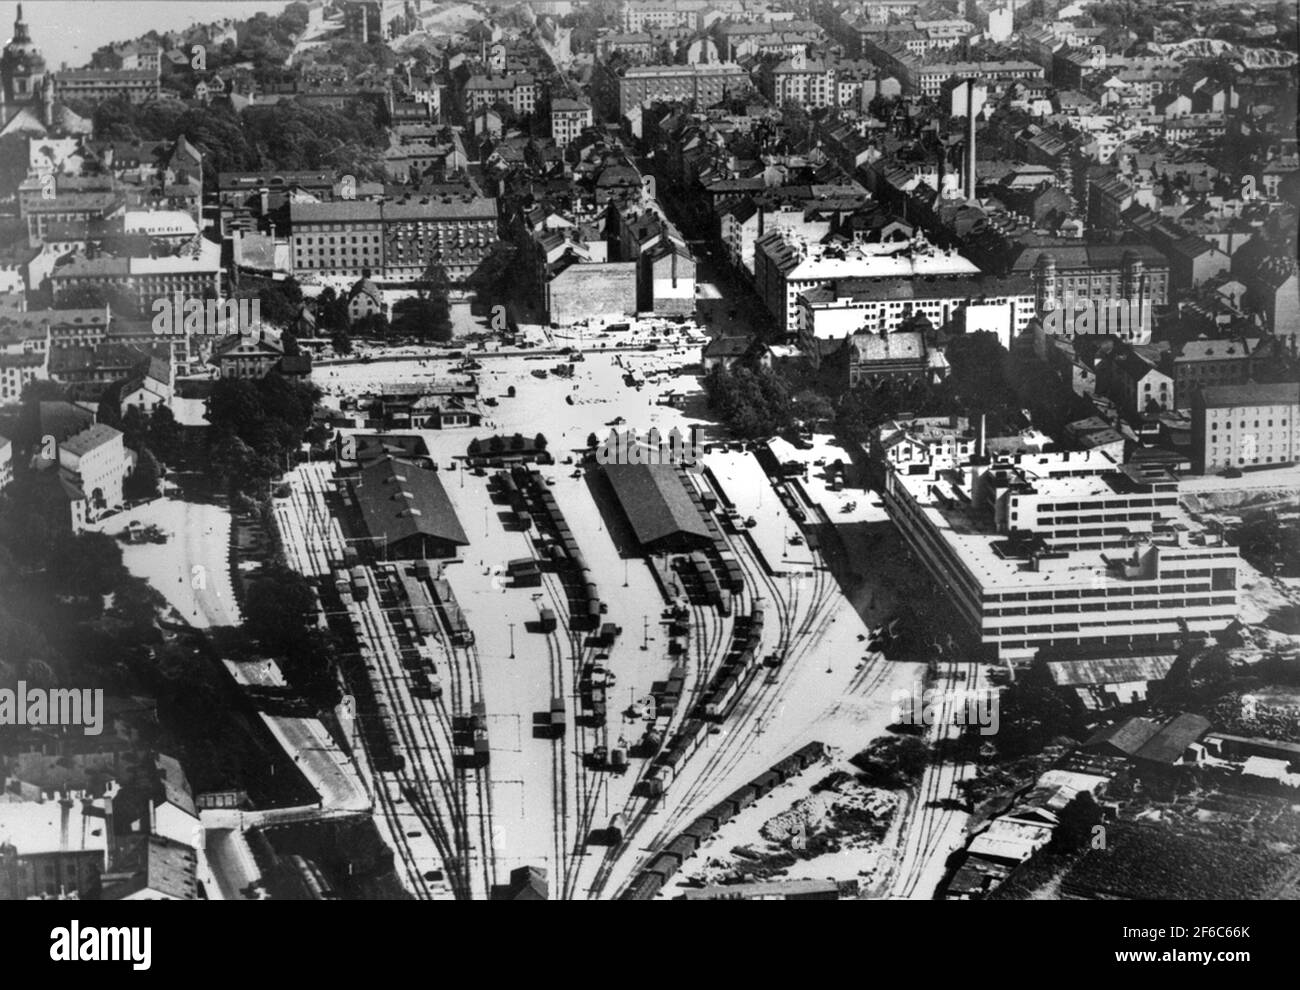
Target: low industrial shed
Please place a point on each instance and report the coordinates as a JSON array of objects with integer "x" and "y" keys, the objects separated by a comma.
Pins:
[{"x": 656, "y": 503}]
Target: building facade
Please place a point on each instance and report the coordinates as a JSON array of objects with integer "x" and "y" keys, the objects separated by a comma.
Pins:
[
  {"x": 1064, "y": 550},
  {"x": 1245, "y": 425}
]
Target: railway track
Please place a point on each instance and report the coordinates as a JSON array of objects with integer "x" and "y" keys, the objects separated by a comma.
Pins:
[
  {"x": 420, "y": 787},
  {"x": 928, "y": 824}
]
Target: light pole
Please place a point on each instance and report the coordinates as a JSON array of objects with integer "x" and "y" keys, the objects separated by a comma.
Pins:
[
  {"x": 512, "y": 641},
  {"x": 645, "y": 626}
]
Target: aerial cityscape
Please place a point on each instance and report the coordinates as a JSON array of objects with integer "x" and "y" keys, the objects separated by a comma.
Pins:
[{"x": 652, "y": 450}]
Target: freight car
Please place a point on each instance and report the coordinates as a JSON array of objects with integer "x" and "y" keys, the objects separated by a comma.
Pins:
[
  {"x": 665, "y": 865},
  {"x": 644, "y": 888},
  {"x": 810, "y": 753},
  {"x": 743, "y": 797},
  {"x": 765, "y": 781},
  {"x": 683, "y": 847},
  {"x": 699, "y": 830}
]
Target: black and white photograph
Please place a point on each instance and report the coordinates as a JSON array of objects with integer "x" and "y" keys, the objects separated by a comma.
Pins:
[{"x": 615, "y": 450}]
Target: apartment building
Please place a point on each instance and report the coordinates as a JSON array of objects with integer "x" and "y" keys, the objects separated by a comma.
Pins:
[
  {"x": 569, "y": 118},
  {"x": 1068, "y": 275},
  {"x": 194, "y": 274},
  {"x": 1211, "y": 362},
  {"x": 638, "y": 15},
  {"x": 53, "y": 848},
  {"x": 518, "y": 91},
  {"x": 705, "y": 84},
  {"x": 809, "y": 82},
  {"x": 923, "y": 441},
  {"x": 93, "y": 465},
  {"x": 1003, "y": 306},
  {"x": 1064, "y": 550},
  {"x": 393, "y": 242},
  {"x": 1245, "y": 425},
  {"x": 98, "y": 85},
  {"x": 786, "y": 266}
]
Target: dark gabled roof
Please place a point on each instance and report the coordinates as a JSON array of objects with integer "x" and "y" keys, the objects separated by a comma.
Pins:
[
  {"x": 153, "y": 863},
  {"x": 727, "y": 347},
  {"x": 1167, "y": 745},
  {"x": 399, "y": 500},
  {"x": 1127, "y": 736},
  {"x": 374, "y": 446},
  {"x": 655, "y": 501},
  {"x": 62, "y": 419}
]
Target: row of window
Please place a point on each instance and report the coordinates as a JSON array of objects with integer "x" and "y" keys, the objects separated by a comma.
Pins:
[
  {"x": 1117, "y": 591},
  {"x": 1109, "y": 517}
]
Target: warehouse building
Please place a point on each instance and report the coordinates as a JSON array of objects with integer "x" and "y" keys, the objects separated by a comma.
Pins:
[
  {"x": 655, "y": 501},
  {"x": 405, "y": 511}
]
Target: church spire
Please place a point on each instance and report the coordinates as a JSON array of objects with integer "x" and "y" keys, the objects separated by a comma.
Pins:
[{"x": 20, "y": 28}]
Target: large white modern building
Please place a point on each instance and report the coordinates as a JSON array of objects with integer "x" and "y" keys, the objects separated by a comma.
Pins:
[
  {"x": 1063, "y": 550},
  {"x": 786, "y": 265},
  {"x": 842, "y": 307}
]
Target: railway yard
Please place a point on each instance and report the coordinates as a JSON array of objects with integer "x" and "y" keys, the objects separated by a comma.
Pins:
[{"x": 554, "y": 692}]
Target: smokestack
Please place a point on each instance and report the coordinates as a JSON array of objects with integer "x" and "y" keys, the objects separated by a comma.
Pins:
[
  {"x": 970, "y": 138},
  {"x": 981, "y": 437}
]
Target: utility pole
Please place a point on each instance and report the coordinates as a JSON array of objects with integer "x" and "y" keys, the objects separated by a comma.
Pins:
[
  {"x": 512, "y": 641},
  {"x": 645, "y": 625}
]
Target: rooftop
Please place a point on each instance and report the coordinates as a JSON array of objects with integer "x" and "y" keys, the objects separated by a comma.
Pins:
[
  {"x": 90, "y": 439},
  {"x": 655, "y": 501},
  {"x": 399, "y": 500},
  {"x": 40, "y": 827},
  {"x": 996, "y": 560},
  {"x": 1251, "y": 394}
]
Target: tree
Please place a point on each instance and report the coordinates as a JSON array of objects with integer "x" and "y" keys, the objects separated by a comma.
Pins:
[
  {"x": 427, "y": 314},
  {"x": 539, "y": 441},
  {"x": 1032, "y": 715},
  {"x": 374, "y": 325},
  {"x": 592, "y": 441},
  {"x": 87, "y": 565},
  {"x": 1075, "y": 824},
  {"x": 811, "y": 408},
  {"x": 752, "y": 403},
  {"x": 144, "y": 480},
  {"x": 277, "y": 606},
  {"x": 893, "y": 761},
  {"x": 280, "y": 301},
  {"x": 341, "y": 342},
  {"x": 331, "y": 310},
  {"x": 134, "y": 426},
  {"x": 165, "y": 435}
]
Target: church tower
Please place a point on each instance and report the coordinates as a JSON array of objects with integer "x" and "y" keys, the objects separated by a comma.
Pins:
[{"x": 22, "y": 66}]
